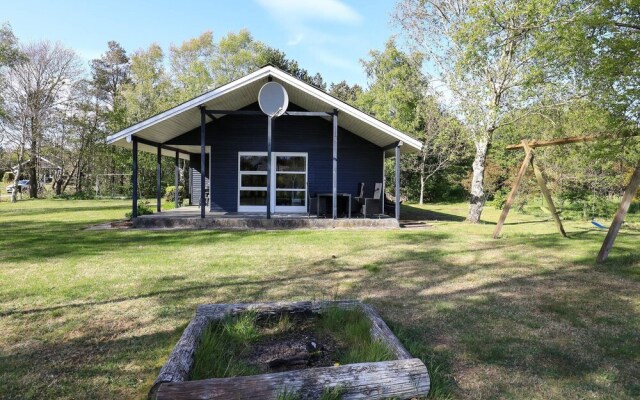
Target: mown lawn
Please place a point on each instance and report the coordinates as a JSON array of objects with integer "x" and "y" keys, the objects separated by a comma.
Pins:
[{"x": 94, "y": 314}]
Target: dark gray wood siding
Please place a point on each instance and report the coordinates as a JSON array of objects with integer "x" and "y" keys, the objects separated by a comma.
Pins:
[
  {"x": 194, "y": 190},
  {"x": 358, "y": 159}
]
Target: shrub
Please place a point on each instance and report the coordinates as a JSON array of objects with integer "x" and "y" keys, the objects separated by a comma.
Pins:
[
  {"x": 169, "y": 193},
  {"x": 8, "y": 177},
  {"x": 143, "y": 209},
  {"x": 499, "y": 199},
  {"x": 76, "y": 196}
]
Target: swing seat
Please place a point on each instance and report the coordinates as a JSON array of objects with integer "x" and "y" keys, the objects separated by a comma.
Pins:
[{"x": 598, "y": 225}]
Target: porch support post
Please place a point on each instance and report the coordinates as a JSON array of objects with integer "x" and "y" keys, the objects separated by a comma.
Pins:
[
  {"x": 203, "y": 122},
  {"x": 269, "y": 127},
  {"x": 334, "y": 191},
  {"x": 176, "y": 192},
  {"x": 629, "y": 193},
  {"x": 210, "y": 180},
  {"x": 134, "y": 178},
  {"x": 397, "y": 182},
  {"x": 159, "y": 179},
  {"x": 384, "y": 157}
]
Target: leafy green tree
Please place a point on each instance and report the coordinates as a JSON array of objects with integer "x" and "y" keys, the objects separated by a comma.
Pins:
[
  {"x": 10, "y": 55},
  {"x": 109, "y": 74},
  {"x": 279, "y": 60},
  {"x": 395, "y": 87},
  {"x": 236, "y": 56},
  {"x": 398, "y": 94},
  {"x": 191, "y": 67},
  {"x": 343, "y": 91},
  {"x": 149, "y": 90},
  {"x": 601, "y": 48},
  {"x": 487, "y": 56}
]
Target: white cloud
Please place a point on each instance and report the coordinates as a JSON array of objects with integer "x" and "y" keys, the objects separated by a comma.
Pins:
[
  {"x": 332, "y": 60},
  {"x": 297, "y": 11},
  {"x": 296, "y": 40}
]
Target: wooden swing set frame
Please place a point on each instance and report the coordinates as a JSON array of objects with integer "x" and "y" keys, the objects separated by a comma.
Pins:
[{"x": 529, "y": 146}]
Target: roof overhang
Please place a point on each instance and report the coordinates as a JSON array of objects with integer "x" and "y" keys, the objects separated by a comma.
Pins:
[{"x": 243, "y": 92}]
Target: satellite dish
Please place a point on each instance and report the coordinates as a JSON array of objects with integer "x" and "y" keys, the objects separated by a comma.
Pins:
[{"x": 273, "y": 99}]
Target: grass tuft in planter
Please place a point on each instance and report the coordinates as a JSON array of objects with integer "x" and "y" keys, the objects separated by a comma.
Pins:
[
  {"x": 221, "y": 343},
  {"x": 226, "y": 346}
]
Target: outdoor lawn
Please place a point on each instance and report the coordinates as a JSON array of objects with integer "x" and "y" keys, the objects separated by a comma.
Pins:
[{"x": 94, "y": 314}]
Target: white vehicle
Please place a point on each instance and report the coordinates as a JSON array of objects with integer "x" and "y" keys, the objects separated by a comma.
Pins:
[{"x": 22, "y": 184}]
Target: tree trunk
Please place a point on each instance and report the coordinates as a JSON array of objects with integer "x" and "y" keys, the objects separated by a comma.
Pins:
[
  {"x": 477, "y": 182},
  {"x": 423, "y": 160},
  {"x": 69, "y": 177},
  {"x": 33, "y": 173},
  {"x": 33, "y": 181}
]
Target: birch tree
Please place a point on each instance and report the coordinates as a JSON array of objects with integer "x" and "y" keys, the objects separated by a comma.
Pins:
[{"x": 487, "y": 56}]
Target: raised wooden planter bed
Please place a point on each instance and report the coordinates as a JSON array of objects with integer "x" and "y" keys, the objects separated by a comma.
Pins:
[{"x": 403, "y": 378}]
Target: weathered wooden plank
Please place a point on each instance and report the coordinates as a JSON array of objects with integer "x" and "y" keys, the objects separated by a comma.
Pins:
[
  {"x": 629, "y": 193},
  {"x": 180, "y": 362},
  {"x": 219, "y": 311},
  {"x": 545, "y": 192},
  {"x": 380, "y": 331},
  {"x": 401, "y": 379},
  {"x": 512, "y": 194}
]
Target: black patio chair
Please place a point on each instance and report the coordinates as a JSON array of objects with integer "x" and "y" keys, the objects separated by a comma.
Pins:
[{"x": 371, "y": 206}]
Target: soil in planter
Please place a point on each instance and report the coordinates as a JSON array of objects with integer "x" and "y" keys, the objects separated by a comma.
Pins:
[{"x": 247, "y": 345}]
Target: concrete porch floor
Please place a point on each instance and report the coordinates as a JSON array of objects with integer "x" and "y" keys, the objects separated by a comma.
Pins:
[{"x": 189, "y": 218}]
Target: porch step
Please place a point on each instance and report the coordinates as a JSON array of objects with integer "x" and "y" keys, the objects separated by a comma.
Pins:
[{"x": 177, "y": 222}]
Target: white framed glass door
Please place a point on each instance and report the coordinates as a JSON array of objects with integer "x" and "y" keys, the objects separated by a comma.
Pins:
[
  {"x": 288, "y": 182},
  {"x": 252, "y": 182}
]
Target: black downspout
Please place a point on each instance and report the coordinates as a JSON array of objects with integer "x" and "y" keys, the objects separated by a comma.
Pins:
[
  {"x": 203, "y": 121},
  {"x": 134, "y": 179},
  {"x": 159, "y": 179},
  {"x": 177, "y": 179}
]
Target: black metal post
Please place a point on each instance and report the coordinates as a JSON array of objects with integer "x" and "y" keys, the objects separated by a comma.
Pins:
[
  {"x": 269, "y": 123},
  {"x": 334, "y": 191},
  {"x": 134, "y": 178},
  {"x": 159, "y": 179},
  {"x": 176, "y": 194},
  {"x": 384, "y": 193},
  {"x": 397, "y": 182},
  {"x": 210, "y": 179},
  {"x": 203, "y": 122}
]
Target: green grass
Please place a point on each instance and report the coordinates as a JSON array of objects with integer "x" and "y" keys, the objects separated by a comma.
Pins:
[
  {"x": 95, "y": 314},
  {"x": 218, "y": 355},
  {"x": 221, "y": 351},
  {"x": 353, "y": 329}
]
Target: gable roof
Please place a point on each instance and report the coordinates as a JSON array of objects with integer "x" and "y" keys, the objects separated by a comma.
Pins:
[{"x": 243, "y": 92}]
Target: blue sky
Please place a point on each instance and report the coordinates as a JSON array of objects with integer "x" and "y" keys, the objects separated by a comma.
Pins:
[{"x": 326, "y": 36}]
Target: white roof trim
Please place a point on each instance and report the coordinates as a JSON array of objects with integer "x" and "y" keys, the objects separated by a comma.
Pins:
[{"x": 259, "y": 74}]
